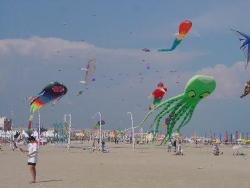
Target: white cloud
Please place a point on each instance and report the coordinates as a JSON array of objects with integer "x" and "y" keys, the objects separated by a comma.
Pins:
[
  {"x": 55, "y": 47},
  {"x": 230, "y": 79},
  {"x": 40, "y": 46}
]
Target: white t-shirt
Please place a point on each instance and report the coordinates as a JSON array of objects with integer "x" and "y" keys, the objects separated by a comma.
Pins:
[{"x": 32, "y": 147}]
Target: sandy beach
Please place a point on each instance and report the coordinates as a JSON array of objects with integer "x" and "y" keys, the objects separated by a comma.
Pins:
[{"x": 148, "y": 166}]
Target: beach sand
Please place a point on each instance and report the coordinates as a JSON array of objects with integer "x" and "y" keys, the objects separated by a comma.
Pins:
[{"x": 148, "y": 166}]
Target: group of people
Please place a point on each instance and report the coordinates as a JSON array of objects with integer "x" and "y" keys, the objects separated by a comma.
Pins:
[
  {"x": 176, "y": 144},
  {"x": 95, "y": 144}
]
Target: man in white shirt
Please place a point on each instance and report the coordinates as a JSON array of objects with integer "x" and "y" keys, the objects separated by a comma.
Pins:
[{"x": 32, "y": 156}]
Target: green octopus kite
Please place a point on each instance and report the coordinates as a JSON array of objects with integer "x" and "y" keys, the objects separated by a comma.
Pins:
[{"x": 181, "y": 107}]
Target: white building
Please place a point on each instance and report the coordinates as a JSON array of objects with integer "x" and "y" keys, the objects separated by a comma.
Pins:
[
  {"x": 5, "y": 124},
  {"x": 2, "y": 123}
]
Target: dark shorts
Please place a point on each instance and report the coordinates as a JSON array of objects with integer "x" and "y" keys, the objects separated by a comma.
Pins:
[{"x": 32, "y": 164}]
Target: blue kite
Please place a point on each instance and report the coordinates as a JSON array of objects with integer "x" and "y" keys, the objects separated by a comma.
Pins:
[{"x": 245, "y": 44}]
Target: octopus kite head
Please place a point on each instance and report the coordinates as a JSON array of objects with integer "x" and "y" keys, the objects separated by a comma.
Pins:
[{"x": 199, "y": 87}]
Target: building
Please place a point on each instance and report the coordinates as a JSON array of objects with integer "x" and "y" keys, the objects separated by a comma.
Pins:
[{"x": 5, "y": 124}]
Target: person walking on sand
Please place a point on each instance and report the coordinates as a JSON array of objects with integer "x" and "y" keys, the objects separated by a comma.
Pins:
[
  {"x": 13, "y": 142},
  {"x": 32, "y": 154},
  {"x": 179, "y": 148},
  {"x": 103, "y": 146},
  {"x": 93, "y": 145},
  {"x": 169, "y": 146},
  {"x": 175, "y": 145}
]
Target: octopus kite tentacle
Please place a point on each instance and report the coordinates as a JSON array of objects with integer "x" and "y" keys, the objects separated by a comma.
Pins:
[
  {"x": 164, "y": 103},
  {"x": 172, "y": 123},
  {"x": 174, "y": 111},
  {"x": 169, "y": 101},
  {"x": 163, "y": 113},
  {"x": 175, "y": 116},
  {"x": 168, "y": 132},
  {"x": 174, "y": 120},
  {"x": 185, "y": 117},
  {"x": 187, "y": 120}
]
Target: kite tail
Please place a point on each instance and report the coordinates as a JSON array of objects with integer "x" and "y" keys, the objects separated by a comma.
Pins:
[
  {"x": 163, "y": 103},
  {"x": 38, "y": 102},
  {"x": 35, "y": 106},
  {"x": 245, "y": 94},
  {"x": 174, "y": 45}
]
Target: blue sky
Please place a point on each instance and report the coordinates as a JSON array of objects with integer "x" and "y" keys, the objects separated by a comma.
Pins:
[{"x": 114, "y": 32}]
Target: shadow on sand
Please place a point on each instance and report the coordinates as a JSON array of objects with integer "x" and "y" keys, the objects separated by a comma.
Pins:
[{"x": 47, "y": 181}]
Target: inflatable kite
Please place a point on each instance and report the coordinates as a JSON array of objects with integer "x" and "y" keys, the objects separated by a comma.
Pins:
[
  {"x": 158, "y": 94},
  {"x": 184, "y": 28},
  {"x": 89, "y": 71},
  {"x": 53, "y": 91},
  {"x": 181, "y": 107},
  {"x": 246, "y": 90},
  {"x": 245, "y": 44}
]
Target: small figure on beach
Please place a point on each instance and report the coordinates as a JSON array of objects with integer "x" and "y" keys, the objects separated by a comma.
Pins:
[
  {"x": 93, "y": 145},
  {"x": 179, "y": 148},
  {"x": 197, "y": 143},
  {"x": 13, "y": 143},
  {"x": 216, "y": 150},
  {"x": 237, "y": 150},
  {"x": 174, "y": 145},
  {"x": 98, "y": 141},
  {"x": 169, "y": 146},
  {"x": 32, "y": 154},
  {"x": 103, "y": 146},
  {"x": 116, "y": 139}
]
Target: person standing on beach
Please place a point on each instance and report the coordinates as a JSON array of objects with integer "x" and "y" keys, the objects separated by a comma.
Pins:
[
  {"x": 179, "y": 148},
  {"x": 174, "y": 145},
  {"x": 32, "y": 156},
  {"x": 169, "y": 146},
  {"x": 103, "y": 146},
  {"x": 94, "y": 145},
  {"x": 14, "y": 141}
]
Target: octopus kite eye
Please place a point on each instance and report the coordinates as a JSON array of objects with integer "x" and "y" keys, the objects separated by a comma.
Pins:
[
  {"x": 191, "y": 94},
  {"x": 203, "y": 95}
]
